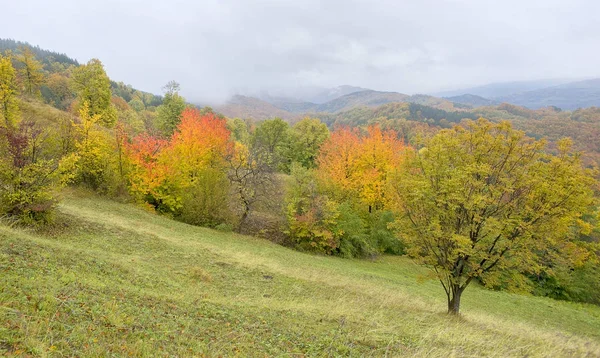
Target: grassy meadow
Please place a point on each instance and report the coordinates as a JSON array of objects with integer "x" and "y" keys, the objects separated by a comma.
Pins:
[{"x": 110, "y": 280}]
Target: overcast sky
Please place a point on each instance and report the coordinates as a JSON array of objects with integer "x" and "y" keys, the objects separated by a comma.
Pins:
[{"x": 216, "y": 48}]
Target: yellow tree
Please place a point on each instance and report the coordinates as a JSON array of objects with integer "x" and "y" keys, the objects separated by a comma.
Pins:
[
  {"x": 359, "y": 166},
  {"x": 484, "y": 199},
  {"x": 93, "y": 152},
  {"x": 9, "y": 107},
  {"x": 31, "y": 72},
  {"x": 93, "y": 86},
  {"x": 380, "y": 155}
]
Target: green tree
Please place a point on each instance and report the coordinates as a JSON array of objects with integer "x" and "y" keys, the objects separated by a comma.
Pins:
[
  {"x": 93, "y": 86},
  {"x": 30, "y": 71},
  {"x": 9, "y": 107},
  {"x": 484, "y": 199},
  {"x": 271, "y": 139},
  {"x": 239, "y": 130},
  {"x": 169, "y": 112},
  {"x": 306, "y": 139}
]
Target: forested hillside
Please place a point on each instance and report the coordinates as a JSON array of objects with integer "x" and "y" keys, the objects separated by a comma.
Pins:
[{"x": 490, "y": 197}]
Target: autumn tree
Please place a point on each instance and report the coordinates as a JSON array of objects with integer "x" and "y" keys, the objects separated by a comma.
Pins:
[
  {"x": 30, "y": 71},
  {"x": 58, "y": 91},
  {"x": 169, "y": 112},
  {"x": 185, "y": 175},
  {"x": 356, "y": 166},
  {"x": 28, "y": 182},
  {"x": 93, "y": 152},
  {"x": 9, "y": 107},
  {"x": 93, "y": 87},
  {"x": 484, "y": 199}
]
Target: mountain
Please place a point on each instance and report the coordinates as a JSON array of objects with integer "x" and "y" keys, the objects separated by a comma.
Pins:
[
  {"x": 250, "y": 107},
  {"x": 364, "y": 98},
  {"x": 294, "y": 105},
  {"x": 500, "y": 89},
  {"x": 333, "y": 93},
  {"x": 567, "y": 96},
  {"x": 472, "y": 100}
]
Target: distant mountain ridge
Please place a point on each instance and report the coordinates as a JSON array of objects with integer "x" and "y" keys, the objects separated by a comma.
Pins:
[
  {"x": 499, "y": 89},
  {"x": 333, "y": 93},
  {"x": 251, "y": 107},
  {"x": 568, "y": 96},
  {"x": 472, "y": 100}
]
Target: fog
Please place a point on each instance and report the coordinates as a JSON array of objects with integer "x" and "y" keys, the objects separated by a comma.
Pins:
[{"x": 218, "y": 48}]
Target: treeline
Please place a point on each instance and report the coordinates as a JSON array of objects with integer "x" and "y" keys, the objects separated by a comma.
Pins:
[
  {"x": 44, "y": 56},
  {"x": 480, "y": 201}
]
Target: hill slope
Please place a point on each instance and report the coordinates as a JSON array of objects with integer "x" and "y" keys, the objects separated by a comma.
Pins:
[
  {"x": 472, "y": 100},
  {"x": 250, "y": 107},
  {"x": 115, "y": 280}
]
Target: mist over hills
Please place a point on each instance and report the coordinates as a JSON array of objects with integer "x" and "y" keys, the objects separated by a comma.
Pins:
[
  {"x": 499, "y": 89},
  {"x": 567, "y": 96},
  {"x": 560, "y": 93}
]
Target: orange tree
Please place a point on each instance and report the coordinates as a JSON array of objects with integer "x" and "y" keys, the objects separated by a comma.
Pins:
[{"x": 184, "y": 175}]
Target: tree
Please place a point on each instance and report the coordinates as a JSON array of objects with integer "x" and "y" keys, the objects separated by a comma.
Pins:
[
  {"x": 30, "y": 71},
  {"x": 93, "y": 87},
  {"x": 252, "y": 179},
  {"x": 307, "y": 137},
  {"x": 27, "y": 184},
  {"x": 358, "y": 167},
  {"x": 89, "y": 163},
  {"x": 484, "y": 199},
  {"x": 9, "y": 107},
  {"x": 184, "y": 175},
  {"x": 271, "y": 139},
  {"x": 169, "y": 112},
  {"x": 57, "y": 91}
]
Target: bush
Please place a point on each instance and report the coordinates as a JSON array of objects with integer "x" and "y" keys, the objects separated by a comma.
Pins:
[
  {"x": 204, "y": 203},
  {"x": 28, "y": 192}
]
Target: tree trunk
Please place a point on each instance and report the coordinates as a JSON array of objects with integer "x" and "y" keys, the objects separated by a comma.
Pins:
[
  {"x": 244, "y": 217},
  {"x": 454, "y": 301}
]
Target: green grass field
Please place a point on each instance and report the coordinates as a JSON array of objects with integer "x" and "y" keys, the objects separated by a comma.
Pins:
[{"x": 114, "y": 280}]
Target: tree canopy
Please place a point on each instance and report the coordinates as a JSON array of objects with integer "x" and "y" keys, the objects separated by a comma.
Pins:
[{"x": 485, "y": 198}]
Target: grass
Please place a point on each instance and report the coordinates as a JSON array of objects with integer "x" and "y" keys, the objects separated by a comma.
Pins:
[{"x": 114, "y": 280}]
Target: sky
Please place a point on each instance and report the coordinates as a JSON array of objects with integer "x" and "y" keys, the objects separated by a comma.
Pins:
[{"x": 216, "y": 48}]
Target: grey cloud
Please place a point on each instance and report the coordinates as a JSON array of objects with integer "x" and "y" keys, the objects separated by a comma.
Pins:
[{"x": 216, "y": 48}]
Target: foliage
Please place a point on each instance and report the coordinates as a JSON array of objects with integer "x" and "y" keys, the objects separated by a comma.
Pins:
[
  {"x": 253, "y": 181},
  {"x": 355, "y": 166},
  {"x": 47, "y": 57},
  {"x": 93, "y": 87},
  {"x": 486, "y": 199},
  {"x": 271, "y": 139},
  {"x": 27, "y": 183},
  {"x": 307, "y": 136},
  {"x": 9, "y": 107},
  {"x": 204, "y": 201},
  {"x": 312, "y": 217},
  {"x": 184, "y": 175},
  {"x": 169, "y": 112},
  {"x": 90, "y": 162},
  {"x": 58, "y": 91},
  {"x": 30, "y": 71}
]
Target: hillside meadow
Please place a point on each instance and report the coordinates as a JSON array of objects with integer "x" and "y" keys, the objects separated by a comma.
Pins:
[{"x": 110, "y": 279}]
